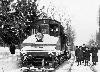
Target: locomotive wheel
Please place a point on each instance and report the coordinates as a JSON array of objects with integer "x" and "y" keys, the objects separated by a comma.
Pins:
[
  {"x": 56, "y": 62},
  {"x": 59, "y": 61},
  {"x": 48, "y": 71}
]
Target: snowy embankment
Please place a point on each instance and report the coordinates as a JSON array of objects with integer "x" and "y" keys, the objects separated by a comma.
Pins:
[
  {"x": 4, "y": 51},
  {"x": 8, "y": 63}
]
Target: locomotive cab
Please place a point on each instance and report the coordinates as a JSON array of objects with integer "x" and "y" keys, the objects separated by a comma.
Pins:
[{"x": 45, "y": 48}]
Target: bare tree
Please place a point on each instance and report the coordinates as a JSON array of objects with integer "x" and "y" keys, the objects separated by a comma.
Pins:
[{"x": 92, "y": 41}]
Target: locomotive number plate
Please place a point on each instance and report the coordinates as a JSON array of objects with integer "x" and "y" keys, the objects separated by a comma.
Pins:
[{"x": 39, "y": 70}]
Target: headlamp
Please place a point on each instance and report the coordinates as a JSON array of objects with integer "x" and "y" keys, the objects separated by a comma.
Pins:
[
  {"x": 23, "y": 52},
  {"x": 50, "y": 53}
]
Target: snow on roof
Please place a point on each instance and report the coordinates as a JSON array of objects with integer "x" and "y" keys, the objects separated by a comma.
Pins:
[
  {"x": 47, "y": 39},
  {"x": 4, "y": 49}
]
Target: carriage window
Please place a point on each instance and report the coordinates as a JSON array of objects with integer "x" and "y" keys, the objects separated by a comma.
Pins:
[
  {"x": 35, "y": 29},
  {"x": 54, "y": 29},
  {"x": 42, "y": 28},
  {"x": 45, "y": 29}
]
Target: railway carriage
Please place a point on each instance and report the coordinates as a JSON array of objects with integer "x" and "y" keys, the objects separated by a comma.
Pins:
[{"x": 46, "y": 48}]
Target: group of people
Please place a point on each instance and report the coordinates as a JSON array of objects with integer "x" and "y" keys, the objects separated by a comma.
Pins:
[{"x": 83, "y": 54}]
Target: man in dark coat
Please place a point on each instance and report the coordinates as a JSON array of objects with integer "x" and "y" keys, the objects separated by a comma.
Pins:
[
  {"x": 12, "y": 48},
  {"x": 87, "y": 56},
  {"x": 79, "y": 55},
  {"x": 94, "y": 51},
  {"x": 76, "y": 51},
  {"x": 83, "y": 50}
]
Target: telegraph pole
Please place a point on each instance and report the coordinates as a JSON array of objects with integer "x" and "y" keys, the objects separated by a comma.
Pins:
[{"x": 98, "y": 39}]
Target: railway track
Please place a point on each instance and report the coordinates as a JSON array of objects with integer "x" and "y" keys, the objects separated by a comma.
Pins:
[{"x": 72, "y": 62}]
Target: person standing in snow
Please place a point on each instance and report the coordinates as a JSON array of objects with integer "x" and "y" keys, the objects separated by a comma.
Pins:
[
  {"x": 94, "y": 51},
  {"x": 76, "y": 51},
  {"x": 83, "y": 50},
  {"x": 12, "y": 50},
  {"x": 79, "y": 55},
  {"x": 87, "y": 56}
]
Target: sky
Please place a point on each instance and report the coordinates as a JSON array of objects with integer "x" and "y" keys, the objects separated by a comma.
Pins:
[{"x": 84, "y": 16}]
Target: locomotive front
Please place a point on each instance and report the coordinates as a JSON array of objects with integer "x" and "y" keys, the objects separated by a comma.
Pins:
[{"x": 43, "y": 48}]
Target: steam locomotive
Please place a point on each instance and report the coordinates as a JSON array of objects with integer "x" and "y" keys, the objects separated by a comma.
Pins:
[{"x": 46, "y": 48}]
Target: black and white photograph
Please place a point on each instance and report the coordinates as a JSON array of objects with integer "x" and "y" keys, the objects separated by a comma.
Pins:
[{"x": 49, "y": 35}]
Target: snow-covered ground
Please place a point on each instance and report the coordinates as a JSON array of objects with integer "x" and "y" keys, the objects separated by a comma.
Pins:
[
  {"x": 81, "y": 68},
  {"x": 10, "y": 64},
  {"x": 66, "y": 66},
  {"x": 7, "y": 62},
  {"x": 4, "y": 51}
]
